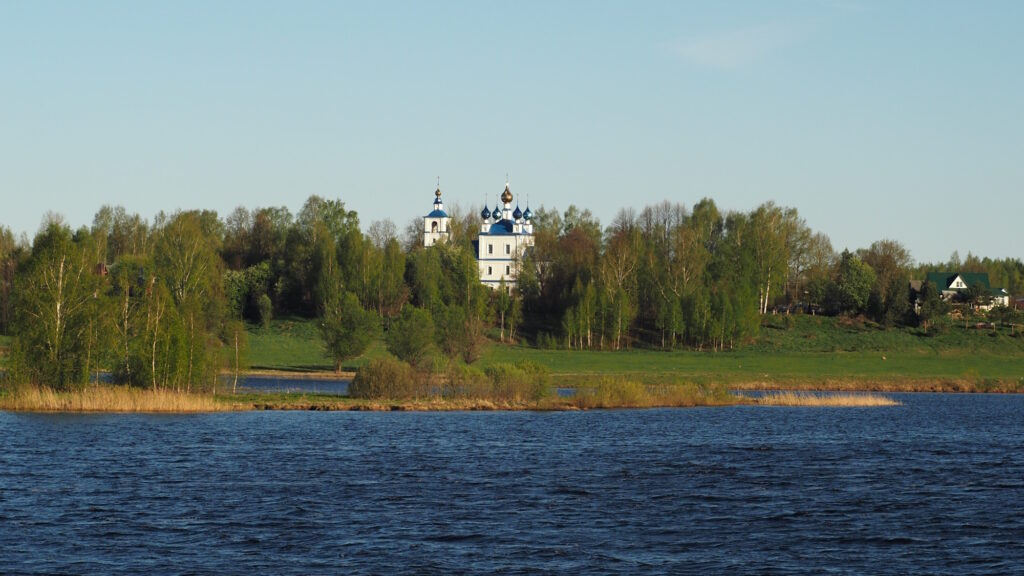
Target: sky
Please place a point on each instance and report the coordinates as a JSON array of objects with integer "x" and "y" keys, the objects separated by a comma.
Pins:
[{"x": 898, "y": 120}]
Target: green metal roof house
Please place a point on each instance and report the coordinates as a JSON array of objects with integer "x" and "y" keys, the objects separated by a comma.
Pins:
[{"x": 952, "y": 283}]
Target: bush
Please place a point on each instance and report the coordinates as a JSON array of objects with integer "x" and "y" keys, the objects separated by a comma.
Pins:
[
  {"x": 387, "y": 378},
  {"x": 465, "y": 382},
  {"x": 266, "y": 310},
  {"x": 546, "y": 341},
  {"x": 518, "y": 382}
]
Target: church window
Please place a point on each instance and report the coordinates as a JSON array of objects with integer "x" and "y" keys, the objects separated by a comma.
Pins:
[
  {"x": 506, "y": 271},
  {"x": 508, "y": 249},
  {"x": 433, "y": 227},
  {"x": 490, "y": 248},
  {"x": 488, "y": 270}
]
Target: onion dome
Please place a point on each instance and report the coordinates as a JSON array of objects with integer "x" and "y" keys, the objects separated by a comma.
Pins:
[
  {"x": 528, "y": 215},
  {"x": 506, "y": 196},
  {"x": 518, "y": 213},
  {"x": 497, "y": 213},
  {"x": 485, "y": 213},
  {"x": 437, "y": 193}
]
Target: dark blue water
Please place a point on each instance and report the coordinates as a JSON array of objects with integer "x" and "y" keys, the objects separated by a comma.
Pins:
[{"x": 935, "y": 486}]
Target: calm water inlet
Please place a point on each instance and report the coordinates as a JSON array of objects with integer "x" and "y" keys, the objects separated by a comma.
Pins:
[{"x": 934, "y": 486}]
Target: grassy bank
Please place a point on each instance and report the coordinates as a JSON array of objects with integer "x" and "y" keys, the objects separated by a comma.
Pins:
[
  {"x": 294, "y": 346},
  {"x": 106, "y": 399},
  {"x": 822, "y": 400},
  {"x": 606, "y": 395},
  {"x": 800, "y": 353}
]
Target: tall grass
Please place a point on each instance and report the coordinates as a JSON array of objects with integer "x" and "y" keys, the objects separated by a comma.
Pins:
[
  {"x": 105, "y": 399},
  {"x": 825, "y": 399},
  {"x": 623, "y": 393}
]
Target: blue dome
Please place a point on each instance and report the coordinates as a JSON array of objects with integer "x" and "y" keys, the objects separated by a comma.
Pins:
[
  {"x": 501, "y": 227},
  {"x": 497, "y": 213},
  {"x": 485, "y": 213},
  {"x": 518, "y": 213},
  {"x": 528, "y": 215},
  {"x": 438, "y": 214}
]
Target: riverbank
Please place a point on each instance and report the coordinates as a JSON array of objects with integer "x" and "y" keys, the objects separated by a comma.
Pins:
[
  {"x": 119, "y": 399},
  {"x": 801, "y": 353}
]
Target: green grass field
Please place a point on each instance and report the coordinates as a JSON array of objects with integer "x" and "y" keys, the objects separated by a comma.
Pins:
[
  {"x": 294, "y": 345},
  {"x": 803, "y": 352}
]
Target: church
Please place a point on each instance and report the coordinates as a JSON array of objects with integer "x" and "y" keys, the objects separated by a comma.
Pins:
[{"x": 506, "y": 234}]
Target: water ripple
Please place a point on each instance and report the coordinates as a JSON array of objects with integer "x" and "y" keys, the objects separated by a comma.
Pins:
[{"x": 935, "y": 486}]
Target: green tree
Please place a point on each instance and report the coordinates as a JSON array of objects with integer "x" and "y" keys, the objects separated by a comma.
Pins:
[
  {"x": 238, "y": 343},
  {"x": 930, "y": 305},
  {"x": 411, "y": 336},
  {"x": 890, "y": 260},
  {"x": 11, "y": 253},
  {"x": 266, "y": 310},
  {"x": 853, "y": 284},
  {"x": 55, "y": 300},
  {"x": 186, "y": 260},
  {"x": 347, "y": 329},
  {"x": 976, "y": 295}
]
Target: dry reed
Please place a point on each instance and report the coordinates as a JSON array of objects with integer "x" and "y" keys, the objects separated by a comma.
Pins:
[
  {"x": 825, "y": 400},
  {"x": 106, "y": 399}
]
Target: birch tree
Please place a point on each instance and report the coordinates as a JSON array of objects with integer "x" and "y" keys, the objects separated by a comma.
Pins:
[{"x": 55, "y": 298}]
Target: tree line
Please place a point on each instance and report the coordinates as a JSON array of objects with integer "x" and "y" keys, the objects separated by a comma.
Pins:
[{"x": 164, "y": 303}]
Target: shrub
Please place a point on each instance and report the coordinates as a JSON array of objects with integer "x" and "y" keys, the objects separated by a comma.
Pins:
[
  {"x": 266, "y": 309},
  {"x": 465, "y": 382},
  {"x": 546, "y": 341},
  {"x": 518, "y": 382},
  {"x": 387, "y": 378}
]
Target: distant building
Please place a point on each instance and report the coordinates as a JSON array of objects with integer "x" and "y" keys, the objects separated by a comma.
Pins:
[
  {"x": 952, "y": 285},
  {"x": 435, "y": 224},
  {"x": 506, "y": 235}
]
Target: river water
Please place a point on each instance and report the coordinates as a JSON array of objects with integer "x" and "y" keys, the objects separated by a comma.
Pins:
[{"x": 935, "y": 486}]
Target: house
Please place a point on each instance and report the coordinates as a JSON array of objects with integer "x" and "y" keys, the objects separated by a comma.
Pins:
[{"x": 953, "y": 286}]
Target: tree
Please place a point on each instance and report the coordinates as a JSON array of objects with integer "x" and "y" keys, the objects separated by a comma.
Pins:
[
  {"x": 890, "y": 260},
  {"x": 391, "y": 291},
  {"x": 617, "y": 270},
  {"x": 266, "y": 310},
  {"x": 186, "y": 261},
  {"x": 770, "y": 229},
  {"x": 237, "y": 241},
  {"x": 853, "y": 285},
  {"x": 502, "y": 301},
  {"x": 236, "y": 336},
  {"x": 930, "y": 305},
  {"x": 11, "y": 252},
  {"x": 976, "y": 295},
  {"x": 347, "y": 329},
  {"x": 411, "y": 336},
  {"x": 55, "y": 299}
]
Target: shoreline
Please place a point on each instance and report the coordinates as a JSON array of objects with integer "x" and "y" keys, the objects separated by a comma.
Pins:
[
  {"x": 289, "y": 375},
  {"x": 112, "y": 399},
  {"x": 115, "y": 399}
]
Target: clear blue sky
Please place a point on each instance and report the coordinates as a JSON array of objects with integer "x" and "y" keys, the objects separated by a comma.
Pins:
[{"x": 874, "y": 119}]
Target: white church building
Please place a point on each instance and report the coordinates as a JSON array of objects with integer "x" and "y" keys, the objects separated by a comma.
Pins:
[
  {"x": 506, "y": 234},
  {"x": 435, "y": 224}
]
